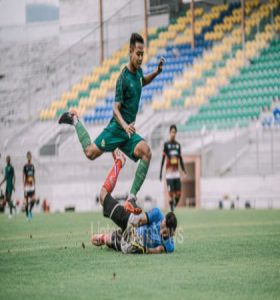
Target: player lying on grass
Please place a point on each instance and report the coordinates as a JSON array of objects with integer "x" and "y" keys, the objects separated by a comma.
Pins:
[
  {"x": 120, "y": 132},
  {"x": 149, "y": 232}
]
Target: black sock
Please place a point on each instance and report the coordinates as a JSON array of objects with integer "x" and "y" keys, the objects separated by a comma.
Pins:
[
  {"x": 171, "y": 203},
  {"x": 32, "y": 203},
  {"x": 176, "y": 200},
  {"x": 11, "y": 207},
  {"x": 26, "y": 209}
]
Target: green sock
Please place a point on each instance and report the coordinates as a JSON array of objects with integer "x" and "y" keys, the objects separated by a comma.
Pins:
[
  {"x": 83, "y": 135},
  {"x": 140, "y": 176}
]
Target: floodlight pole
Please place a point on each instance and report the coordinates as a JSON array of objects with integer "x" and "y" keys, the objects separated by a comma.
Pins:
[
  {"x": 101, "y": 32},
  {"x": 192, "y": 12},
  {"x": 146, "y": 23}
]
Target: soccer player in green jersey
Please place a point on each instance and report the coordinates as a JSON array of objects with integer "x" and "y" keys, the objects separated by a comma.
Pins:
[
  {"x": 120, "y": 132},
  {"x": 10, "y": 179}
]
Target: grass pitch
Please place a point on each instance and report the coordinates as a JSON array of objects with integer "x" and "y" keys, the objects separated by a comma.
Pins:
[{"x": 219, "y": 255}]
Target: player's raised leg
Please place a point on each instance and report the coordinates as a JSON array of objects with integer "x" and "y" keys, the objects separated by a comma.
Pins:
[
  {"x": 112, "y": 208},
  {"x": 112, "y": 176},
  {"x": 143, "y": 152},
  {"x": 111, "y": 240},
  {"x": 71, "y": 118}
]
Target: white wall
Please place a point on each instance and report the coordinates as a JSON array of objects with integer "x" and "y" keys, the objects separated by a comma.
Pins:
[
  {"x": 83, "y": 195},
  {"x": 260, "y": 191}
]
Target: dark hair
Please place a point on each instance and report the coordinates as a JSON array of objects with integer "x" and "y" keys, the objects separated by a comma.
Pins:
[
  {"x": 135, "y": 38},
  {"x": 171, "y": 222},
  {"x": 28, "y": 153},
  {"x": 173, "y": 126}
]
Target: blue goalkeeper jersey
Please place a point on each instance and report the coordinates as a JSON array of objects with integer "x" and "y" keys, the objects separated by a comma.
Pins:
[{"x": 150, "y": 233}]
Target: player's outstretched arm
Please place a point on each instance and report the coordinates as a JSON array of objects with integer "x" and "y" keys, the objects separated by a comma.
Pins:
[{"x": 149, "y": 78}]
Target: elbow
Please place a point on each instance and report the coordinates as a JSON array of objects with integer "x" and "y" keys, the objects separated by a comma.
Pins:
[{"x": 114, "y": 112}]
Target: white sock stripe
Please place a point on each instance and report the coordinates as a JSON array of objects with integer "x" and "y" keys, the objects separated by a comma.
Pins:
[{"x": 114, "y": 210}]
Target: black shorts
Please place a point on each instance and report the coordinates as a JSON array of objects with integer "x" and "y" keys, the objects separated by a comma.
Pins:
[
  {"x": 29, "y": 194},
  {"x": 173, "y": 185},
  {"x": 115, "y": 211}
]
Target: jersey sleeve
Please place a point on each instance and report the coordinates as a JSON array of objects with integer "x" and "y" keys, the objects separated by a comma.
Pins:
[
  {"x": 120, "y": 89},
  {"x": 168, "y": 245},
  {"x": 154, "y": 215}
]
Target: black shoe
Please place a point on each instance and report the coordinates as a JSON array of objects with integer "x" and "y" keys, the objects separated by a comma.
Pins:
[{"x": 68, "y": 117}]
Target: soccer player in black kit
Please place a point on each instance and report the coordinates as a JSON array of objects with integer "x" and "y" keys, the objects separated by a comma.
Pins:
[
  {"x": 172, "y": 154},
  {"x": 29, "y": 186}
]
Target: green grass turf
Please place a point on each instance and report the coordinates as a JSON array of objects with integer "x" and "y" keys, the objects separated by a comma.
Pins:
[{"x": 219, "y": 255}]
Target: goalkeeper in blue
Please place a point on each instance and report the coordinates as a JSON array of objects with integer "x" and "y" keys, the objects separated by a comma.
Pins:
[{"x": 150, "y": 232}]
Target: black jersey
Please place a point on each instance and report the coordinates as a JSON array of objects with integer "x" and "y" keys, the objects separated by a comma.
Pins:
[
  {"x": 172, "y": 152},
  {"x": 29, "y": 172}
]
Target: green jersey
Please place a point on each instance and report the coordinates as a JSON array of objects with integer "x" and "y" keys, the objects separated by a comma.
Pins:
[
  {"x": 128, "y": 93},
  {"x": 9, "y": 175}
]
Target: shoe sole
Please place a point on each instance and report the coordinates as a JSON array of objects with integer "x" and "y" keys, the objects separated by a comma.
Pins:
[
  {"x": 73, "y": 112},
  {"x": 62, "y": 119},
  {"x": 131, "y": 209}
]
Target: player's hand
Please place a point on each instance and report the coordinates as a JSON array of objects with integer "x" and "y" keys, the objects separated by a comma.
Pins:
[
  {"x": 130, "y": 129},
  {"x": 160, "y": 65}
]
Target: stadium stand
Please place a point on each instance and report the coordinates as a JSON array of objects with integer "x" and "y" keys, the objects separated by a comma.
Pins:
[
  {"x": 102, "y": 80},
  {"x": 235, "y": 100}
]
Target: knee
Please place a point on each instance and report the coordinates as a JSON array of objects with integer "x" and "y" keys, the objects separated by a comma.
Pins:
[{"x": 147, "y": 155}]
